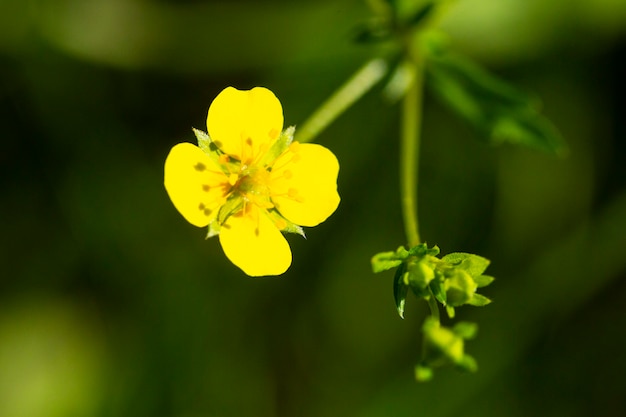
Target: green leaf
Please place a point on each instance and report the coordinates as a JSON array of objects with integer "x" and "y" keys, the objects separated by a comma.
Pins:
[
  {"x": 473, "y": 264},
  {"x": 439, "y": 292},
  {"x": 479, "y": 301},
  {"x": 384, "y": 261},
  {"x": 422, "y": 250},
  {"x": 423, "y": 373},
  {"x": 400, "y": 289},
  {"x": 499, "y": 110},
  {"x": 465, "y": 329},
  {"x": 483, "y": 280}
]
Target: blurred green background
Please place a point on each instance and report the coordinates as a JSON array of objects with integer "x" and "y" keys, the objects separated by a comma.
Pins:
[{"x": 112, "y": 305}]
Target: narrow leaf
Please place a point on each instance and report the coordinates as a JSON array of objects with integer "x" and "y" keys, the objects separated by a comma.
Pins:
[
  {"x": 499, "y": 110},
  {"x": 479, "y": 300},
  {"x": 400, "y": 289},
  {"x": 483, "y": 280}
]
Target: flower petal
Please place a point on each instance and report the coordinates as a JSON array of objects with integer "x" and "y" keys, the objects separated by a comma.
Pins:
[
  {"x": 304, "y": 184},
  {"x": 253, "y": 243},
  {"x": 194, "y": 183},
  {"x": 245, "y": 123}
]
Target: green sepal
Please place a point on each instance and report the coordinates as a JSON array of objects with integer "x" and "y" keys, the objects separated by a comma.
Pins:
[
  {"x": 423, "y": 373},
  {"x": 420, "y": 274},
  {"x": 213, "y": 229},
  {"x": 290, "y": 227},
  {"x": 212, "y": 151},
  {"x": 450, "y": 311},
  {"x": 465, "y": 329},
  {"x": 232, "y": 206},
  {"x": 400, "y": 289},
  {"x": 467, "y": 363},
  {"x": 499, "y": 110},
  {"x": 204, "y": 141},
  {"x": 384, "y": 261},
  {"x": 483, "y": 280},
  {"x": 473, "y": 264},
  {"x": 279, "y": 146},
  {"x": 478, "y": 300}
]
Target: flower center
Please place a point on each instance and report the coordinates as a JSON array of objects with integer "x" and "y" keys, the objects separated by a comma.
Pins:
[{"x": 252, "y": 186}]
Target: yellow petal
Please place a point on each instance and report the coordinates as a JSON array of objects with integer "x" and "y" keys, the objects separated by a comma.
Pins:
[
  {"x": 194, "y": 183},
  {"x": 245, "y": 123},
  {"x": 254, "y": 243},
  {"x": 304, "y": 184}
]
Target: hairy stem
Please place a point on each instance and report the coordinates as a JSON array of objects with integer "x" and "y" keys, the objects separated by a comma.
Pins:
[{"x": 409, "y": 152}]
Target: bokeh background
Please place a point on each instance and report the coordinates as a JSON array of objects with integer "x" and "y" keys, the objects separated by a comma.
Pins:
[{"x": 112, "y": 305}]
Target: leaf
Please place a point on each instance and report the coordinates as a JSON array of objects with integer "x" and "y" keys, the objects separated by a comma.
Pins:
[
  {"x": 387, "y": 260},
  {"x": 502, "y": 112},
  {"x": 479, "y": 301},
  {"x": 400, "y": 289},
  {"x": 422, "y": 250},
  {"x": 439, "y": 292},
  {"x": 483, "y": 280},
  {"x": 473, "y": 264}
]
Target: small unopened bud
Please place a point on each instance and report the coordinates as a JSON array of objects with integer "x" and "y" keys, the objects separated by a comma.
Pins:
[{"x": 460, "y": 288}]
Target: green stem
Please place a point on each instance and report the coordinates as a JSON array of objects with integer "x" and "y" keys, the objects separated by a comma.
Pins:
[
  {"x": 409, "y": 159},
  {"x": 409, "y": 151},
  {"x": 353, "y": 89}
]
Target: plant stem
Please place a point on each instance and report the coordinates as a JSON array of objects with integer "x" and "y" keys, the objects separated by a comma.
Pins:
[
  {"x": 353, "y": 89},
  {"x": 409, "y": 151},
  {"x": 409, "y": 159}
]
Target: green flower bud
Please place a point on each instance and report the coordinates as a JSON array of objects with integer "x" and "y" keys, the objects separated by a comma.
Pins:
[
  {"x": 419, "y": 274},
  {"x": 460, "y": 288}
]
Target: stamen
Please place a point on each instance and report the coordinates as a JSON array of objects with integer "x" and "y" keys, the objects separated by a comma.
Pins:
[
  {"x": 232, "y": 179},
  {"x": 206, "y": 187},
  {"x": 199, "y": 167},
  {"x": 224, "y": 159}
]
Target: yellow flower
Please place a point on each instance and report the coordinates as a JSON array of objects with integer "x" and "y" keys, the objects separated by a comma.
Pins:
[{"x": 248, "y": 181}]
